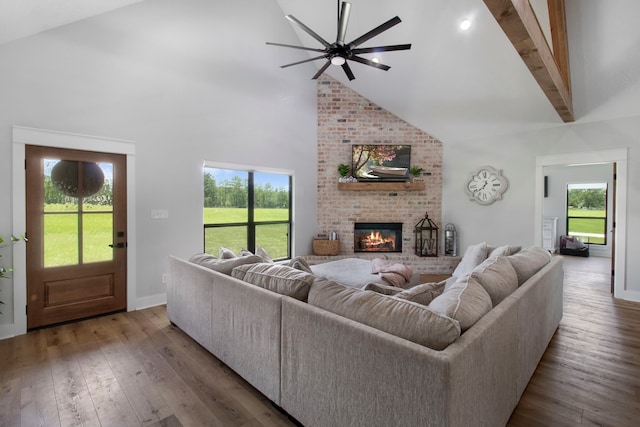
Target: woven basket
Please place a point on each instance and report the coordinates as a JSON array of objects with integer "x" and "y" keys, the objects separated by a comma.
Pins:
[{"x": 326, "y": 247}]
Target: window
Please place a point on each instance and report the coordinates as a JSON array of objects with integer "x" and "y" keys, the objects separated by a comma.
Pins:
[
  {"x": 587, "y": 212},
  {"x": 245, "y": 209}
]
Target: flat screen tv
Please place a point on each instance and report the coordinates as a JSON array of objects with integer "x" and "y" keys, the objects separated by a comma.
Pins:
[{"x": 381, "y": 162}]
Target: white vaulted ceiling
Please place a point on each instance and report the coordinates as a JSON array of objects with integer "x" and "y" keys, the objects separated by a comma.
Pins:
[
  {"x": 454, "y": 84},
  {"x": 22, "y": 18}
]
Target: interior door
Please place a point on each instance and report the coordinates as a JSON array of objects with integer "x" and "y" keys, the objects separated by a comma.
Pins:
[
  {"x": 613, "y": 226},
  {"x": 76, "y": 231}
]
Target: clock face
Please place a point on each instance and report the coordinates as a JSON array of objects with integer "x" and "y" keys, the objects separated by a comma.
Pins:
[{"x": 486, "y": 185}]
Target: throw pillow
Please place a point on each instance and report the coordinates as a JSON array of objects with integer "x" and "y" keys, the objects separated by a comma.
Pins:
[
  {"x": 472, "y": 257},
  {"x": 300, "y": 263},
  {"x": 498, "y": 277},
  {"x": 382, "y": 289},
  {"x": 505, "y": 250},
  {"x": 528, "y": 261},
  {"x": 226, "y": 253},
  {"x": 404, "y": 319},
  {"x": 224, "y": 266},
  {"x": 465, "y": 300},
  {"x": 204, "y": 259},
  {"x": 261, "y": 252},
  {"x": 281, "y": 279},
  {"x": 422, "y": 294}
]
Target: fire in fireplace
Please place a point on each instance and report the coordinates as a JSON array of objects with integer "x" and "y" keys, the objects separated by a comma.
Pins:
[{"x": 377, "y": 237}]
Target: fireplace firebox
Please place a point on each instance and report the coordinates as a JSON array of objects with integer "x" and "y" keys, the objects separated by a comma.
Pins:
[{"x": 377, "y": 237}]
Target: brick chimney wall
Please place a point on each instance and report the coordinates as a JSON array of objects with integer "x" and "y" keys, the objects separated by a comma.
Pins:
[{"x": 346, "y": 118}]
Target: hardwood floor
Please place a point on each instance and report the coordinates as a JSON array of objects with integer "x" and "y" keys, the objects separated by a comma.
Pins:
[
  {"x": 133, "y": 369},
  {"x": 590, "y": 373}
]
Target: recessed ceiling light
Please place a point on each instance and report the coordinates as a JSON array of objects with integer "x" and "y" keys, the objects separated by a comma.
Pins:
[
  {"x": 376, "y": 60},
  {"x": 465, "y": 24}
]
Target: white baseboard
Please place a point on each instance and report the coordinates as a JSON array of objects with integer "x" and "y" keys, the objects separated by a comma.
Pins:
[
  {"x": 629, "y": 296},
  {"x": 7, "y": 331},
  {"x": 150, "y": 301}
]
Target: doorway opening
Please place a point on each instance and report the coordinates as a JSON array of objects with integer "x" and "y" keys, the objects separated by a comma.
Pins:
[{"x": 616, "y": 161}]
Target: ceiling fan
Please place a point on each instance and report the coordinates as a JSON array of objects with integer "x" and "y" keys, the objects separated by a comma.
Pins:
[{"x": 339, "y": 53}]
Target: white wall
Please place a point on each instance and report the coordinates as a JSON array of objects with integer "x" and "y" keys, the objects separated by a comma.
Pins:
[
  {"x": 555, "y": 204},
  {"x": 187, "y": 82},
  {"x": 605, "y": 73}
]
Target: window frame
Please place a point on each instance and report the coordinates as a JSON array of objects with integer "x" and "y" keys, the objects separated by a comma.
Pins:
[
  {"x": 251, "y": 222},
  {"x": 605, "y": 217}
]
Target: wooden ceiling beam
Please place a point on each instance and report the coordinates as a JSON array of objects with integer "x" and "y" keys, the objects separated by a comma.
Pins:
[{"x": 518, "y": 20}]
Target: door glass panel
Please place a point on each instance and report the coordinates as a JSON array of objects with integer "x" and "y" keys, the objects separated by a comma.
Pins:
[
  {"x": 85, "y": 188},
  {"x": 97, "y": 235},
  {"x": 60, "y": 239},
  {"x": 98, "y": 190}
]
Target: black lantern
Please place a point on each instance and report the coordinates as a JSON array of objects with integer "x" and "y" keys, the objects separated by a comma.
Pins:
[{"x": 426, "y": 237}]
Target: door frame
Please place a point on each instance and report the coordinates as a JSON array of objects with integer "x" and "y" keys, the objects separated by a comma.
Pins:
[
  {"x": 23, "y": 136},
  {"x": 618, "y": 156}
]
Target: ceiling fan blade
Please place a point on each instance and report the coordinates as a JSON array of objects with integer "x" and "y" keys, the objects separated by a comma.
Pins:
[
  {"x": 321, "y": 70},
  {"x": 347, "y": 71},
  {"x": 381, "y": 48},
  {"x": 303, "y": 61},
  {"x": 296, "y": 47},
  {"x": 308, "y": 30},
  {"x": 342, "y": 23},
  {"x": 370, "y": 63},
  {"x": 371, "y": 34}
]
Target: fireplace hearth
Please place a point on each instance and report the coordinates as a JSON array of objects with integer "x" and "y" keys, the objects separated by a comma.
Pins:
[{"x": 377, "y": 237}]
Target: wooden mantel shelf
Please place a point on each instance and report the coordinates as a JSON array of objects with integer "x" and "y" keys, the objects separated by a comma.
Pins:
[{"x": 381, "y": 186}]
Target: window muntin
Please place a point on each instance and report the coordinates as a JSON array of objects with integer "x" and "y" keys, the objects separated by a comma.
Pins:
[
  {"x": 587, "y": 214},
  {"x": 245, "y": 209}
]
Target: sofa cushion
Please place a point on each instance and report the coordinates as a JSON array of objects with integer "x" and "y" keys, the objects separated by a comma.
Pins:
[
  {"x": 465, "y": 300},
  {"x": 405, "y": 319},
  {"x": 498, "y": 277},
  {"x": 472, "y": 257},
  {"x": 528, "y": 261},
  {"x": 224, "y": 266},
  {"x": 422, "y": 294},
  {"x": 281, "y": 279}
]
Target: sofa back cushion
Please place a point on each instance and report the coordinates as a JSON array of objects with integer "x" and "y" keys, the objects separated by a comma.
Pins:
[
  {"x": 528, "y": 261},
  {"x": 473, "y": 256},
  {"x": 226, "y": 265},
  {"x": 405, "y": 319},
  {"x": 498, "y": 277},
  {"x": 465, "y": 300},
  {"x": 277, "y": 278}
]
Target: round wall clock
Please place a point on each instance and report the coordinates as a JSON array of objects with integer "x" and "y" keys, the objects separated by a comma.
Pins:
[{"x": 486, "y": 185}]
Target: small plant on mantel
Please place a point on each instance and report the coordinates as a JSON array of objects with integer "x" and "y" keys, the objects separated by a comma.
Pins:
[
  {"x": 416, "y": 172},
  {"x": 343, "y": 170},
  {"x": 5, "y": 270}
]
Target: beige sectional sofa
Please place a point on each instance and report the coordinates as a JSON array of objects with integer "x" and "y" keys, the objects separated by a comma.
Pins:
[{"x": 309, "y": 356}]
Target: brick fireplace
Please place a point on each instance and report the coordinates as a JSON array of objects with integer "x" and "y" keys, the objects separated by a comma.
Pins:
[{"x": 346, "y": 118}]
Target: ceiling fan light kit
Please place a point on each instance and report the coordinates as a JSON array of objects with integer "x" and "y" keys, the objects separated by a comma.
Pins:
[{"x": 339, "y": 53}]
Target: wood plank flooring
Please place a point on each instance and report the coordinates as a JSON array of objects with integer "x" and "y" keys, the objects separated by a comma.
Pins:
[
  {"x": 135, "y": 369},
  {"x": 590, "y": 373}
]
